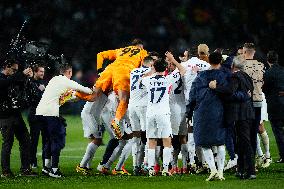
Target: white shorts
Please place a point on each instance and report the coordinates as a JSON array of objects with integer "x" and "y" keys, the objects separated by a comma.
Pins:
[
  {"x": 106, "y": 117},
  {"x": 91, "y": 119},
  {"x": 126, "y": 126},
  {"x": 137, "y": 116},
  {"x": 178, "y": 119},
  {"x": 158, "y": 125}
]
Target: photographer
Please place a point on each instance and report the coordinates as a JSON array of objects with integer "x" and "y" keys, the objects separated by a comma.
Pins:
[
  {"x": 36, "y": 123},
  {"x": 11, "y": 121}
]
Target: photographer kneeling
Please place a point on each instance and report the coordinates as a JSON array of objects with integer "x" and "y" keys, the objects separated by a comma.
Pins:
[{"x": 11, "y": 121}]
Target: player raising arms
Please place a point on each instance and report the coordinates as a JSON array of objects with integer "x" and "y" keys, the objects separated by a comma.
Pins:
[{"x": 116, "y": 77}]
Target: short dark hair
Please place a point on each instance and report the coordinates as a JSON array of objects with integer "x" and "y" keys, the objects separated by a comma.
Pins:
[
  {"x": 220, "y": 50},
  {"x": 193, "y": 51},
  {"x": 147, "y": 59},
  {"x": 64, "y": 67},
  {"x": 249, "y": 46},
  {"x": 160, "y": 65},
  {"x": 38, "y": 64},
  {"x": 215, "y": 58},
  {"x": 153, "y": 53},
  {"x": 240, "y": 47},
  {"x": 36, "y": 67},
  {"x": 137, "y": 42},
  {"x": 9, "y": 62},
  {"x": 272, "y": 57}
]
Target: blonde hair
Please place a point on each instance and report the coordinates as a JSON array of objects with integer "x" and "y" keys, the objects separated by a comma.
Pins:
[{"x": 203, "y": 49}]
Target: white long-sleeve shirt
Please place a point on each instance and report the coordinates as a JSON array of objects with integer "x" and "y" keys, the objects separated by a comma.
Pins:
[{"x": 58, "y": 85}]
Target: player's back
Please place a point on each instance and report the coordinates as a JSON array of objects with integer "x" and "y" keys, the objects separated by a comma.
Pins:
[
  {"x": 177, "y": 92},
  {"x": 158, "y": 88},
  {"x": 189, "y": 76},
  {"x": 138, "y": 93},
  {"x": 130, "y": 56}
]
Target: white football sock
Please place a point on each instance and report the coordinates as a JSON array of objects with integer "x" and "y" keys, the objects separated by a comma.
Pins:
[
  {"x": 265, "y": 142},
  {"x": 135, "y": 150},
  {"x": 200, "y": 155},
  {"x": 184, "y": 153},
  {"x": 90, "y": 151},
  {"x": 157, "y": 154},
  {"x": 124, "y": 155},
  {"x": 214, "y": 150},
  {"x": 191, "y": 148},
  {"x": 89, "y": 164},
  {"x": 116, "y": 153},
  {"x": 258, "y": 147},
  {"x": 209, "y": 158},
  {"x": 146, "y": 153},
  {"x": 221, "y": 153},
  {"x": 141, "y": 154},
  {"x": 174, "y": 161},
  {"x": 151, "y": 157},
  {"x": 167, "y": 153},
  {"x": 47, "y": 163}
]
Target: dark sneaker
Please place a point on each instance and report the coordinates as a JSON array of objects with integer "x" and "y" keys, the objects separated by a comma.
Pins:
[
  {"x": 45, "y": 171},
  {"x": 56, "y": 174},
  {"x": 239, "y": 175},
  {"x": 137, "y": 171},
  {"x": 7, "y": 174},
  {"x": 28, "y": 173},
  {"x": 250, "y": 177}
]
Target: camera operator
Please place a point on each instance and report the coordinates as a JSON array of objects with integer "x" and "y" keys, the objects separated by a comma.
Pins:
[
  {"x": 36, "y": 122},
  {"x": 11, "y": 121}
]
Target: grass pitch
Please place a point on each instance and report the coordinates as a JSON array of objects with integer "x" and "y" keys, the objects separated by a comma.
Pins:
[{"x": 272, "y": 177}]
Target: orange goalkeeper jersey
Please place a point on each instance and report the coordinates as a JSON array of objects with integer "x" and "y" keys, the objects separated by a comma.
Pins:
[{"x": 131, "y": 55}]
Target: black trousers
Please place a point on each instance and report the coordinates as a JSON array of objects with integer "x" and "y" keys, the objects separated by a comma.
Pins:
[
  {"x": 56, "y": 134},
  {"x": 10, "y": 127},
  {"x": 244, "y": 139},
  {"x": 278, "y": 131},
  {"x": 37, "y": 127},
  {"x": 256, "y": 123}
]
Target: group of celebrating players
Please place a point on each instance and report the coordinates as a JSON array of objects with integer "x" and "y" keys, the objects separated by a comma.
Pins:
[{"x": 141, "y": 99}]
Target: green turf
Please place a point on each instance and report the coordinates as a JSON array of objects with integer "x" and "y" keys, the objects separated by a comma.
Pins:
[{"x": 272, "y": 177}]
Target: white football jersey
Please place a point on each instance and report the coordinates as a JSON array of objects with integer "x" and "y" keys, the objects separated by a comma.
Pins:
[
  {"x": 158, "y": 89},
  {"x": 177, "y": 91},
  {"x": 138, "y": 93},
  {"x": 189, "y": 76}
]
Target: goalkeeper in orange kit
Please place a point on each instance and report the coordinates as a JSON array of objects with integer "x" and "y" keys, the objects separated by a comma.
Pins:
[{"x": 116, "y": 77}]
